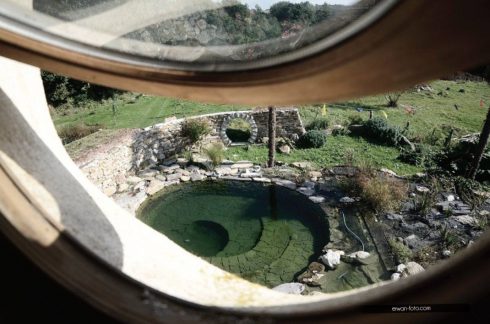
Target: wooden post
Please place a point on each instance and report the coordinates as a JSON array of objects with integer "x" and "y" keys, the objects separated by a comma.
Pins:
[
  {"x": 272, "y": 137},
  {"x": 480, "y": 149}
]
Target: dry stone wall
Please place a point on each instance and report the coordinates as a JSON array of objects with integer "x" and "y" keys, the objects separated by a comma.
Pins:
[{"x": 160, "y": 143}]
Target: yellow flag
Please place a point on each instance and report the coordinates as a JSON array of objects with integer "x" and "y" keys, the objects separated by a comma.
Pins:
[
  {"x": 385, "y": 115},
  {"x": 324, "y": 110}
]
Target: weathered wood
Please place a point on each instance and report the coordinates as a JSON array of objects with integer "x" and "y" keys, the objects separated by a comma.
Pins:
[{"x": 272, "y": 137}]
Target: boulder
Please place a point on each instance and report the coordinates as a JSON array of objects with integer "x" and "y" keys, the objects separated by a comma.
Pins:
[
  {"x": 401, "y": 268},
  {"x": 173, "y": 176},
  {"x": 422, "y": 189},
  {"x": 284, "y": 149},
  {"x": 197, "y": 177},
  {"x": 185, "y": 178},
  {"x": 395, "y": 276},
  {"x": 306, "y": 191},
  {"x": 154, "y": 187},
  {"x": 388, "y": 172},
  {"x": 285, "y": 183},
  {"x": 332, "y": 258},
  {"x": 293, "y": 288},
  {"x": 413, "y": 268},
  {"x": 315, "y": 174},
  {"x": 360, "y": 255},
  {"x": 261, "y": 179},
  {"x": 347, "y": 200},
  {"x": 302, "y": 165},
  {"x": 317, "y": 199},
  {"x": 465, "y": 220},
  {"x": 396, "y": 217}
]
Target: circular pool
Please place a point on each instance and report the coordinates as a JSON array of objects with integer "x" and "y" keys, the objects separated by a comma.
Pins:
[{"x": 264, "y": 233}]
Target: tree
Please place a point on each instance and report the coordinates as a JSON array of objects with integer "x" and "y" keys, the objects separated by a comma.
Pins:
[
  {"x": 272, "y": 136},
  {"x": 480, "y": 148}
]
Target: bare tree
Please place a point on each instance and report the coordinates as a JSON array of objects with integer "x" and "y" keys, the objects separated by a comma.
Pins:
[
  {"x": 480, "y": 148},
  {"x": 272, "y": 136}
]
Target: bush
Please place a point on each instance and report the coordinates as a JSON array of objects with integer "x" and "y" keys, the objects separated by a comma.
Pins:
[
  {"x": 379, "y": 130},
  {"x": 216, "y": 153},
  {"x": 400, "y": 251},
  {"x": 318, "y": 124},
  {"x": 312, "y": 139},
  {"x": 72, "y": 133},
  {"x": 392, "y": 99},
  {"x": 195, "y": 130},
  {"x": 423, "y": 156}
]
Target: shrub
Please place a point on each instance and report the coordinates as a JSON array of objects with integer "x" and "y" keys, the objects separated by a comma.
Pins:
[
  {"x": 381, "y": 194},
  {"x": 392, "y": 99},
  {"x": 318, "y": 124},
  {"x": 195, "y": 130},
  {"x": 216, "y": 153},
  {"x": 379, "y": 130},
  {"x": 355, "y": 119},
  {"x": 423, "y": 156},
  {"x": 400, "y": 251},
  {"x": 75, "y": 132},
  {"x": 312, "y": 139}
]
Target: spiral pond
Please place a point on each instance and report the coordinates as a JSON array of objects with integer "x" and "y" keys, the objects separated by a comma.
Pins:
[{"x": 264, "y": 233}]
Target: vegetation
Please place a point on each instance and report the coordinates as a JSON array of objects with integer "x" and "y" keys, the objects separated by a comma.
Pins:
[
  {"x": 195, "y": 129},
  {"x": 392, "y": 99},
  {"x": 378, "y": 129},
  {"x": 72, "y": 133},
  {"x": 312, "y": 139},
  {"x": 215, "y": 152},
  {"x": 400, "y": 251},
  {"x": 382, "y": 194},
  {"x": 430, "y": 127},
  {"x": 318, "y": 124}
]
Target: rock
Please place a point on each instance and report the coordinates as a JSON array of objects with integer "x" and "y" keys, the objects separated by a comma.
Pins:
[
  {"x": 285, "y": 183},
  {"x": 306, "y": 191},
  {"x": 420, "y": 175},
  {"x": 360, "y": 255},
  {"x": 285, "y": 149},
  {"x": 161, "y": 177},
  {"x": 242, "y": 165},
  {"x": 140, "y": 186},
  {"x": 260, "y": 179},
  {"x": 122, "y": 187},
  {"x": 422, "y": 189},
  {"x": 315, "y": 174},
  {"x": 396, "y": 217},
  {"x": 446, "y": 253},
  {"x": 185, "y": 178},
  {"x": 147, "y": 173},
  {"x": 317, "y": 199},
  {"x": 413, "y": 241},
  {"x": 110, "y": 190},
  {"x": 133, "y": 180},
  {"x": 347, "y": 200},
  {"x": 223, "y": 170},
  {"x": 197, "y": 177},
  {"x": 465, "y": 220},
  {"x": 414, "y": 268},
  {"x": 450, "y": 198},
  {"x": 388, "y": 172},
  {"x": 173, "y": 176},
  {"x": 249, "y": 174},
  {"x": 395, "y": 276},
  {"x": 154, "y": 187},
  {"x": 344, "y": 171},
  {"x": 401, "y": 268},
  {"x": 292, "y": 288},
  {"x": 302, "y": 165},
  {"x": 130, "y": 202},
  {"x": 332, "y": 258},
  {"x": 316, "y": 267}
]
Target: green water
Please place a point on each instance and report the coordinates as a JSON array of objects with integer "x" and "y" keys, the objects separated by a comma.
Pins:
[{"x": 264, "y": 233}]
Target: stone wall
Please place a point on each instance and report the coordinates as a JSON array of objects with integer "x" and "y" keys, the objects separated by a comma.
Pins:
[{"x": 160, "y": 143}]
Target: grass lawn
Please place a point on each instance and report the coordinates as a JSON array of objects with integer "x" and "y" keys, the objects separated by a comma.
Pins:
[{"x": 434, "y": 112}]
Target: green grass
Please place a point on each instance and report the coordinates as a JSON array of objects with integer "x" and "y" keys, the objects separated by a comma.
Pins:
[
  {"x": 145, "y": 111},
  {"x": 331, "y": 154},
  {"x": 433, "y": 111}
]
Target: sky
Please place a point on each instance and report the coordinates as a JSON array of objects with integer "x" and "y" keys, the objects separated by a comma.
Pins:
[{"x": 265, "y": 4}]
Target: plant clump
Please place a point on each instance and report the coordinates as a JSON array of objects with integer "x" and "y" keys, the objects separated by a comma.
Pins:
[
  {"x": 318, "y": 124},
  {"x": 312, "y": 139},
  {"x": 195, "y": 129},
  {"x": 75, "y": 132},
  {"x": 216, "y": 153}
]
